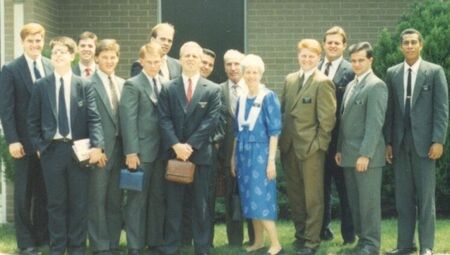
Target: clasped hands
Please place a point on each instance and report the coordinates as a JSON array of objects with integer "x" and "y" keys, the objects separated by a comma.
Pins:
[
  {"x": 183, "y": 151},
  {"x": 96, "y": 156}
]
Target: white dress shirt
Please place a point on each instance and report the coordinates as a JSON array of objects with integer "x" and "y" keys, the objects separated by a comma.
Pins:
[
  {"x": 333, "y": 67},
  {"x": 194, "y": 80},
  {"x": 414, "y": 70},
  {"x": 39, "y": 66},
  {"x": 165, "y": 68},
  {"x": 92, "y": 68},
  {"x": 104, "y": 77}
]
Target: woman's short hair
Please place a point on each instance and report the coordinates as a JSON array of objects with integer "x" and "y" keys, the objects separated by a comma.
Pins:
[{"x": 252, "y": 60}]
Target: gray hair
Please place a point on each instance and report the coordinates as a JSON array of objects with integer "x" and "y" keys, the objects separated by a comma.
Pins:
[
  {"x": 230, "y": 54},
  {"x": 191, "y": 44},
  {"x": 253, "y": 61}
]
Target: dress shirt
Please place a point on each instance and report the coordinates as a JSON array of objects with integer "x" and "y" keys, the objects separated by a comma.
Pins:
[
  {"x": 67, "y": 85},
  {"x": 39, "y": 66},
  {"x": 240, "y": 88},
  {"x": 83, "y": 68},
  {"x": 194, "y": 80},
  {"x": 104, "y": 77},
  {"x": 165, "y": 68},
  {"x": 414, "y": 70},
  {"x": 333, "y": 67}
]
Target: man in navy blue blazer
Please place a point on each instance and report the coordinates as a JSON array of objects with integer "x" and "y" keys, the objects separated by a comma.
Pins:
[
  {"x": 16, "y": 84},
  {"x": 62, "y": 110}
]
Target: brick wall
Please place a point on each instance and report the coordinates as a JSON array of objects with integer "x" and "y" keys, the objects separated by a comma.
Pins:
[{"x": 274, "y": 27}]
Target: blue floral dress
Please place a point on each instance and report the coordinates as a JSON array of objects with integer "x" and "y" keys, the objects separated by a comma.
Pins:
[{"x": 258, "y": 195}]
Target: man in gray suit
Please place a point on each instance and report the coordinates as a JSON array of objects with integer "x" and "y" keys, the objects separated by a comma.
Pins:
[
  {"x": 416, "y": 127},
  {"x": 162, "y": 34},
  {"x": 360, "y": 149},
  {"x": 105, "y": 197},
  {"x": 141, "y": 143}
]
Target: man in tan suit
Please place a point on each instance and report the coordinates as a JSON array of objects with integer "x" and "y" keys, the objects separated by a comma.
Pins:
[{"x": 308, "y": 105}]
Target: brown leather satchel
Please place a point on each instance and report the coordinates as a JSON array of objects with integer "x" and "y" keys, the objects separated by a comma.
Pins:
[{"x": 180, "y": 171}]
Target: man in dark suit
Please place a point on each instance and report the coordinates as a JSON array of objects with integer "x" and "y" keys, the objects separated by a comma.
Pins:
[
  {"x": 360, "y": 148},
  {"x": 340, "y": 72},
  {"x": 16, "y": 85},
  {"x": 230, "y": 91},
  {"x": 308, "y": 104},
  {"x": 416, "y": 127},
  {"x": 189, "y": 111},
  {"x": 86, "y": 51},
  {"x": 62, "y": 110},
  {"x": 141, "y": 143},
  {"x": 162, "y": 34},
  {"x": 105, "y": 197},
  {"x": 208, "y": 59}
]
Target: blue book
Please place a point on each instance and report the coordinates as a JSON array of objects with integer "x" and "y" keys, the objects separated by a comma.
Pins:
[{"x": 131, "y": 180}]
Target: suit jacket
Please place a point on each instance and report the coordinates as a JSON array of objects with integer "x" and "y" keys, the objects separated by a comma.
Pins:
[
  {"x": 309, "y": 115},
  {"x": 139, "y": 118},
  {"x": 191, "y": 123},
  {"x": 226, "y": 148},
  {"x": 43, "y": 115},
  {"x": 76, "y": 70},
  {"x": 429, "y": 107},
  {"x": 361, "y": 130},
  {"x": 173, "y": 65},
  {"x": 110, "y": 123},
  {"x": 16, "y": 86}
]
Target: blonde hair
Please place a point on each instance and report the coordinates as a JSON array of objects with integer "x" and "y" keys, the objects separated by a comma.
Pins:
[
  {"x": 310, "y": 44},
  {"x": 32, "y": 29}
]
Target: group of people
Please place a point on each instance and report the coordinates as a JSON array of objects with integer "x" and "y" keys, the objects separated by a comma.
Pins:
[{"x": 335, "y": 120}]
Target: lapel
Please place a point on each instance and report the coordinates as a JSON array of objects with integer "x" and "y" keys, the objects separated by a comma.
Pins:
[
  {"x": 339, "y": 73},
  {"x": 51, "y": 93},
  {"x": 48, "y": 68},
  {"x": 356, "y": 92},
  {"x": 181, "y": 94},
  {"x": 146, "y": 86},
  {"x": 226, "y": 90},
  {"x": 304, "y": 88},
  {"x": 420, "y": 80},
  {"x": 398, "y": 76},
  {"x": 75, "y": 87},
  {"x": 26, "y": 75},
  {"x": 200, "y": 89},
  {"x": 101, "y": 91}
]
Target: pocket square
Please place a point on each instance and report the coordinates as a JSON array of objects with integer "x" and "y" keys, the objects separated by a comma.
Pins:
[
  {"x": 306, "y": 100},
  {"x": 426, "y": 88},
  {"x": 359, "y": 102},
  {"x": 202, "y": 104},
  {"x": 80, "y": 103}
]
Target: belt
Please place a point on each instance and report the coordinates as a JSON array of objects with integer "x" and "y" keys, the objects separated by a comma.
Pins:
[{"x": 63, "y": 140}]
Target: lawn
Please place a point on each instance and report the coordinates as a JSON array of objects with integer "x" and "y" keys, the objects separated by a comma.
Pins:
[{"x": 286, "y": 232}]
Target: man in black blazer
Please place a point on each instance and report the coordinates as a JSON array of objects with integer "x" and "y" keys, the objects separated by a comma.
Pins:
[
  {"x": 162, "y": 34},
  {"x": 416, "y": 127},
  {"x": 189, "y": 111},
  {"x": 105, "y": 198},
  {"x": 86, "y": 66},
  {"x": 62, "y": 110},
  {"x": 16, "y": 85},
  {"x": 340, "y": 72}
]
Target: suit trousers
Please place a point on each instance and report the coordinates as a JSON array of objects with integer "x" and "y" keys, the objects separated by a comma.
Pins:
[
  {"x": 336, "y": 173},
  {"x": 156, "y": 205},
  {"x": 30, "y": 203},
  {"x": 105, "y": 205},
  {"x": 201, "y": 220},
  {"x": 67, "y": 193},
  {"x": 415, "y": 184},
  {"x": 212, "y": 191},
  {"x": 364, "y": 197},
  {"x": 304, "y": 184},
  {"x": 135, "y": 210}
]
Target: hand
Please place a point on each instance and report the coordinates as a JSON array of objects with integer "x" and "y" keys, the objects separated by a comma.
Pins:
[
  {"x": 183, "y": 151},
  {"x": 362, "y": 163},
  {"x": 271, "y": 170},
  {"x": 217, "y": 145},
  {"x": 338, "y": 158},
  {"x": 97, "y": 157},
  {"x": 388, "y": 154},
  {"x": 16, "y": 150},
  {"x": 233, "y": 167},
  {"x": 435, "y": 151},
  {"x": 132, "y": 161},
  {"x": 38, "y": 154}
]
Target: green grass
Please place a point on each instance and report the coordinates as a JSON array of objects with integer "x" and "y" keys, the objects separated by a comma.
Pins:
[{"x": 286, "y": 234}]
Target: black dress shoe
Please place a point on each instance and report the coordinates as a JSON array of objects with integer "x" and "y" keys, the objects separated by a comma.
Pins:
[
  {"x": 402, "y": 251},
  {"x": 426, "y": 252},
  {"x": 134, "y": 252},
  {"x": 30, "y": 251},
  {"x": 105, "y": 252},
  {"x": 326, "y": 235},
  {"x": 348, "y": 242},
  {"x": 298, "y": 244},
  {"x": 306, "y": 251},
  {"x": 365, "y": 250}
]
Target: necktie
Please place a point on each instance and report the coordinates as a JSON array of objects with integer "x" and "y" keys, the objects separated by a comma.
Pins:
[
  {"x": 327, "y": 68},
  {"x": 87, "y": 71},
  {"x": 114, "y": 97},
  {"x": 234, "y": 98},
  {"x": 189, "y": 91},
  {"x": 37, "y": 74},
  {"x": 155, "y": 87},
  {"x": 63, "y": 123},
  {"x": 300, "y": 83},
  {"x": 408, "y": 101},
  {"x": 234, "y": 90},
  {"x": 350, "y": 93}
]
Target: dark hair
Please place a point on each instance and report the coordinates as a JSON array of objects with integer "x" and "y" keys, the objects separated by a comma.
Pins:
[
  {"x": 209, "y": 53},
  {"x": 410, "y": 31},
  {"x": 361, "y": 46}
]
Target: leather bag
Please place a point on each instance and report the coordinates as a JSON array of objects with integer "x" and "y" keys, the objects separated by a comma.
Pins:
[{"x": 180, "y": 171}]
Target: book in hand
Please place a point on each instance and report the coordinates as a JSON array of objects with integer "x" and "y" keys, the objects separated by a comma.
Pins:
[
  {"x": 131, "y": 180},
  {"x": 82, "y": 150}
]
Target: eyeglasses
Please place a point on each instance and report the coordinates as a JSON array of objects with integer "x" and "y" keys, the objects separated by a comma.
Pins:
[{"x": 62, "y": 52}]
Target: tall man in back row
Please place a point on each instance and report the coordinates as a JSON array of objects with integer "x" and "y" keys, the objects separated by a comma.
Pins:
[{"x": 416, "y": 127}]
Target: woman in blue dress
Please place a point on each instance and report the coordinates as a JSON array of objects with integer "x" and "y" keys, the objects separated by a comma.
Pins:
[{"x": 258, "y": 124}]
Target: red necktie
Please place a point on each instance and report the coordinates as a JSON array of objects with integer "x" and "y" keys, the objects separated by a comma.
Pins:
[
  {"x": 189, "y": 91},
  {"x": 87, "y": 71}
]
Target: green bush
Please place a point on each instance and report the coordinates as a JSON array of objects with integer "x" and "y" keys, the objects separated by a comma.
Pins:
[{"x": 432, "y": 19}]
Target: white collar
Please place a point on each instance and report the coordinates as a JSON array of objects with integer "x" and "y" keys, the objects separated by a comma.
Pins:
[
  {"x": 30, "y": 61},
  {"x": 334, "y": 63},
  {"x": 414, "y": 67},
  {"x": 254, "y": 111}
]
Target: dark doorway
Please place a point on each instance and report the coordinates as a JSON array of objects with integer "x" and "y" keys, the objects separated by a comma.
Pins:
[{"x": 215, "y": 24}]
